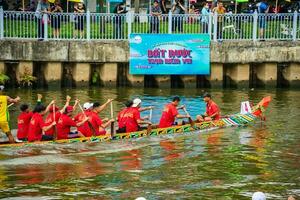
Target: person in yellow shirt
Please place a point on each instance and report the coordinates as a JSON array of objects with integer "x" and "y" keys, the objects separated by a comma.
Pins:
[
  {"x": 220, "y": 10},
  {"x": 4, "y": 117}
]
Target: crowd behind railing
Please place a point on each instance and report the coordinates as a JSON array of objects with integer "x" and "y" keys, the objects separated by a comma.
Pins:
[{"x": 51, "y": 23}]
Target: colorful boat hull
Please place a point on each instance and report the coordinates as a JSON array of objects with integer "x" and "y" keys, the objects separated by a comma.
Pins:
[{"x": 234, "y": 120}]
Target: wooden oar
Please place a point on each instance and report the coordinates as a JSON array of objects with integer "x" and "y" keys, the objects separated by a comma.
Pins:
[
  {"x": 112, "y": 125},
  {"x": 10, "y": 105},
  {"x": 89, "y": 123},
  {"x": 55, "y": 127},
  {"x": 149, "y": 128},
  {"x": 190, "y": 119}
]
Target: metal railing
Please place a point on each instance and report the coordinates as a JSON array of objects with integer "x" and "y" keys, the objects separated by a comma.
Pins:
[{"x": 98, "y": 26}]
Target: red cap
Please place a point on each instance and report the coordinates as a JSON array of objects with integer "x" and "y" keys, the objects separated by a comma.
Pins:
[{"x": 69, "y": 109}]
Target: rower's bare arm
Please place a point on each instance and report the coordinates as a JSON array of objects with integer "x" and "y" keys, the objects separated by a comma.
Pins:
[
  {"x": 182, "y": 116},
  {"x": 101, "y": 108},
  {"x": 46, "y": 128},
  {"x": 15, "y": 100},
  {"x": 82, "y": 122},
  {"x": 68, "y": 99},
  {"x": 77, "y": 101},
  {"x": 105, "y": 125},
  {"x": 49, "y": 106},
  {"x": 140, "y": 121},
  {"x": 146, "y": 108}
]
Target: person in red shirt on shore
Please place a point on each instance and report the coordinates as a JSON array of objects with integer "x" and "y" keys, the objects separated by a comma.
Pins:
[
  {"x": 170, "y": 113},
  {"x": 23, "y": 122},
  {"x": 37, "y": 124},
  {"x": 212, "y": 110},
  {"x": 130, "y": 118},
  {"x": 65, "y": 123}
]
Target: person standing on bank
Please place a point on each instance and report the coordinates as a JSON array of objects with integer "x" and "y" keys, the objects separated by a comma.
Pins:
[
  {"x": 220, "y": 10},
  {"x": 55, "y": 18},
  {"x": 43, "y": 7},
  {"x": 119, "y": 19},
  {"x": 155, "y": 15},
  {"x": 177, "y": 10},
  {"x": 79, "y": 9},
  {"x": 205, "y": 17},
  {"x": 263, "y": 9},
  {"x": 4, "y": 115}
]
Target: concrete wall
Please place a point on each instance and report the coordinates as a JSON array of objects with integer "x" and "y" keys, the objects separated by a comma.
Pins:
[
  {"x": 118, "y": 51},
  {"x": 74, "y": 61}
]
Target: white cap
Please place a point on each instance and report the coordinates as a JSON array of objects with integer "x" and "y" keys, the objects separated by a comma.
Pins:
[
  {"x": 140, "y": 198},
  {"x": 87, "y": 105},
  {"x": 1, "y": 87},
  {"x": 136, "y": 102},
  {"x": 259, "y": 196}
]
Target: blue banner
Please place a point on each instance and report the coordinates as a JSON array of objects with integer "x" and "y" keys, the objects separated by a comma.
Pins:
[{"x": 180, "y": 54}]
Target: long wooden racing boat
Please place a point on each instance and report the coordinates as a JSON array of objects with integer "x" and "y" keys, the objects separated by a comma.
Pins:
[{"x": 234, "y": 120}]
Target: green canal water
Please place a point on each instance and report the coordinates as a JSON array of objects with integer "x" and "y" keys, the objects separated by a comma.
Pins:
[{"x": 223, "y": 164}]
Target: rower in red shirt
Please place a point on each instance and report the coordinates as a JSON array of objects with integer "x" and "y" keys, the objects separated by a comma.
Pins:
[
  {"x": 55, "y": 113},
  {"x": 84, "y": 129},
  {"x": 23, "y": 122},
  {"x": 97, "y": 124},
  {"x": 65, "y": 123},
  {"x": 130, "y": 118},
  {"x": 212, "y": 110},
  {"x": 37, "y": 124},
  {"x": 170, "y": 113}
]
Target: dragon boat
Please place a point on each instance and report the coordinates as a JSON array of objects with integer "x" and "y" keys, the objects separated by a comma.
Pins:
[{"x": 249, "y": 115}]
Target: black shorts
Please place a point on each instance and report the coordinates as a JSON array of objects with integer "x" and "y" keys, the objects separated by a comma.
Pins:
[{"x": 47, "y": 137}]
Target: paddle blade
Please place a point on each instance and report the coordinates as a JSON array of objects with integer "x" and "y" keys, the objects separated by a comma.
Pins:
[{"x": 259, "y": 109}]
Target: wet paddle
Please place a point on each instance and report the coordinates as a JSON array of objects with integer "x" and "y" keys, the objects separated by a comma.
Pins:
[
  {"x": 112, "y": 125},
  {"x": 10, "y": 105},
  {"x": 149, "y": 128},
  {"x": 54, "y": 120},
  {"x": 190, "y": 119}
]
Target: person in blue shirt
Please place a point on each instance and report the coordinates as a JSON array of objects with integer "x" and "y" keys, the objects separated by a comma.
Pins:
[
  {"x": 205, "y": 16},
  {"x": 262, "y": 9}
]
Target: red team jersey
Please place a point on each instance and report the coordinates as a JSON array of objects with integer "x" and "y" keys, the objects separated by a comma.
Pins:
[
  {"x": 168, "y": 116},
  {"x": 212, "y": 108},
  {"x": 96, "y": 122},
  {"x": 49, "y": 120},
  {"x": 64, "y": 126},
  {"x": 23, "y": 124},
  {"x": 85, "y": 128},
  {"x": 35, "y": 127},
  {"x": 128, "y": 118}
]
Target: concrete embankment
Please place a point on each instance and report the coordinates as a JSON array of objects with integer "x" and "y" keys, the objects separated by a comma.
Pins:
[{"x": 71, "y": 63}]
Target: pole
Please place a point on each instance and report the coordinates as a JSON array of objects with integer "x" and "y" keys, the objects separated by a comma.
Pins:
[
  {"x": 276, "y": 5},
  {"x": 112, "y": 125},
  {"x": 67, "y": 6},
  {"x": 235, "y": 7},
  {"x": 54, "y": 120},
  {"x": 23, "y": 5}
]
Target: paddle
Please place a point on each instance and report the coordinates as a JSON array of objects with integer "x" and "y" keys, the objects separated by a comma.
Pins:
[
  {"x": 112, "y": 125},
  {"x": 190, "y": 119},
  {"x": 149, "y": 128},
  {"x": 10, "y": 105},
  {"x": 54, "y": 120},
  {"x": 89, "y": 123}
]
